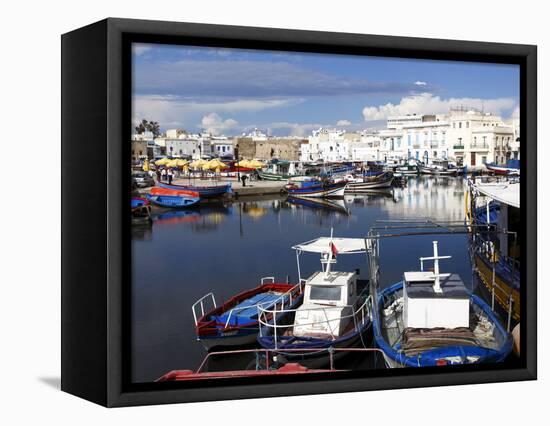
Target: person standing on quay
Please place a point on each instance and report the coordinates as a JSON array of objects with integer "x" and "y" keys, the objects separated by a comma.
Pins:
[
  {"x": 170, "y": 176},
  {"x": 163, "y": 175},
  {"x": 158, "y": 174}
]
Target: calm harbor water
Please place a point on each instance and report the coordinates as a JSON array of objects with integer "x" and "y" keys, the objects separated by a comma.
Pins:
[{"x": 226, "y": 248}]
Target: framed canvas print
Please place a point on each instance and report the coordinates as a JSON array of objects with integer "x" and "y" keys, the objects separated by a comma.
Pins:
[{"x": 253, "y": 212}]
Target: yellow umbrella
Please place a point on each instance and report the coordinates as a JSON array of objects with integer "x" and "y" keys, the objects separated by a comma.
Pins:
[
  {"x": 180, "y": 162},
  {"x": 162, "y": 161},
  {"x": 197, "y": 164},
  {"x": 243, "y": 163},
  {"x": 146, "y": 166},
  {"x": 255, "y": 164},
  {"x": 172, "y": 163}
]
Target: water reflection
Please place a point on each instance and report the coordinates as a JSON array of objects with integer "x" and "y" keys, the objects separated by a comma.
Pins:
[{"x": 227, "y": 247}]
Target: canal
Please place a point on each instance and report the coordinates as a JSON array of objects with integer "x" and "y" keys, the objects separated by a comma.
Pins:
[{"x": 226, "y": 248}]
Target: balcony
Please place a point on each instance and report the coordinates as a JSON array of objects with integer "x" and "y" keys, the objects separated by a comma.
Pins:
[
  {"x": 479, "y": 146},
  {"x": 459, "y": 147}
]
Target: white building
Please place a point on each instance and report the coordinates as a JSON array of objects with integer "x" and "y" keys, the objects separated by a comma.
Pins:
[
  {"x": 221, "y": 146},
  {"x": 329, "y": 145}
]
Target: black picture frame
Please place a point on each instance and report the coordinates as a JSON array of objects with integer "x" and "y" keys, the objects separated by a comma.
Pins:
[{"x": 96, "y": 110}]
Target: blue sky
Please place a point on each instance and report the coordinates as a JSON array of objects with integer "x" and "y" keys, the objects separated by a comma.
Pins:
[{"x": 230, "y": 91}]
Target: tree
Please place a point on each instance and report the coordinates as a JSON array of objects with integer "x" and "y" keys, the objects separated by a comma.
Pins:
[{"x": 148, "y": 126}]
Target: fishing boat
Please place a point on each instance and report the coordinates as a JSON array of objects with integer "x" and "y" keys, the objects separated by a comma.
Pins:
[
  {"x": 432, "y": 319},
  {"x": 263, "y": 363},
  {"x": 362, "y": 184},
  {"x": 315, "y": 188},
  {"x": 235, "y": 322},
  {"x": 408, "y": 169},
  {"x": 495, "y": 206},
  {"x": 207, "y": 191},
  {"x": 337, "y": 205},
  {"x": 441, "y": 167},
  {"x": 173, "y": 198},
  {"x": 510, "y": 168},
  {"x": 141, "y": 211},
  {"x": 334, "y": 312}
]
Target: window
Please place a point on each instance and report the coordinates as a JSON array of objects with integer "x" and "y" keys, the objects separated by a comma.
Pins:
[
  {"x": 460, "y": 125},
  {"x": 409, "y": 140},
  {"x": 467, "y": 124},
  {"x": 331, "y": 292},
  {"x": 484, "y": 159}
]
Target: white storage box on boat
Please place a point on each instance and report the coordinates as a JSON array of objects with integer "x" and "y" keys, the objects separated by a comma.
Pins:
[{"x": 423, "y": 307}]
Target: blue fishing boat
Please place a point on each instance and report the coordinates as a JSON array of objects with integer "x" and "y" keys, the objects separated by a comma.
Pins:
[
  {"x": 235, "y": 322},
  {"x": 210, "y": 191},
  {"x": 512, "y": 167},
  {"x": 315, "y": 188},
  {"x": 432, "y": 319},
  {"x": 173, "y": 198},
  {"x": 334, "y": 313},
  {"x": 141, "y": 211}
]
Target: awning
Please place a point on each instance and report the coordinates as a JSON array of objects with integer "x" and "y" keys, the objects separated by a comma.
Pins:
[
  {"x": 343, "y": 245},
  {"x": 504, "y": 192}
]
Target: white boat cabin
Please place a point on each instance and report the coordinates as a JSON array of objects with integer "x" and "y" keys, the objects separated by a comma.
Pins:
[
  {"x": 329, "y": 296},
  {"x": 432, "y": 299}
]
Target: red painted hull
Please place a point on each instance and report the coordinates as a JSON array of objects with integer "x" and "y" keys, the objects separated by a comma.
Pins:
[
  {"x": 290, "y": 368},
  {"x": 208, "y": 328}
]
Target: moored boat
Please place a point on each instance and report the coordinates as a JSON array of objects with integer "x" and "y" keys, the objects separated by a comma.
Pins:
[
  {"x": 431, "y": 319},
  {"x": 511, "y": 167},
  {"x": 315, "y": 188},
  {"x": 334, "y": 313},
  {"x": 362, "y": 184},
  {"x": 495, "y": 244},
  {"x": 141, "y": 211},
  {"x": 207, "y": 191},
  {"x": 235, "y": 322},
  {"x": 172, "y": 198}
]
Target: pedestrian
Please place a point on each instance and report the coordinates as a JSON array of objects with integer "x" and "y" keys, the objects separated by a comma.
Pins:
[
  {"x": 158, "y": 174},
  {"x": 163, "y": 175},
  {"x": 243, "y": 178},
  {"x": 170, "y": 176}
]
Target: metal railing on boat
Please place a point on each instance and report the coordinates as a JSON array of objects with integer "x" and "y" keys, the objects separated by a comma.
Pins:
[
  {"x": 267, "y": 352},
  {"x": 268, "y": 318}
]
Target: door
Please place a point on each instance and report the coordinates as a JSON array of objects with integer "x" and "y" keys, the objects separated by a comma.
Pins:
[{"x": 473, "y": 156}]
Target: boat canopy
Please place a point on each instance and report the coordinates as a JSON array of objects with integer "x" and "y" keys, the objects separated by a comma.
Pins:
[
  {"x": 503, "y": 192},
  {"x": 342, "y": 245}
]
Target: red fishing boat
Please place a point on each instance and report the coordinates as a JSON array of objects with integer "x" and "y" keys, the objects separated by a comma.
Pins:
[{"x": 235, "y": 322}]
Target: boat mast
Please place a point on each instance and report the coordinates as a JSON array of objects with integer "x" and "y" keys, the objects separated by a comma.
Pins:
[{"x": 329, "y": 261}]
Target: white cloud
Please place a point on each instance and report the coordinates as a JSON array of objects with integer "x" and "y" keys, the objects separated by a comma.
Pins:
[
  {"x": 343, "y": 123},
  {"x": 216, "y": 125},
  {"x": 420, "y": 83},
  {"x": 292, "y": 129},
  {"x": 140, "y": 48},
  {"x": 426, "y": 103},
  {"x": 515, "y": 112},
  {"x": 175, "y": 111}
]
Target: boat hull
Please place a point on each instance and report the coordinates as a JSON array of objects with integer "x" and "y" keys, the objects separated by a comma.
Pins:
[
  {"x": 203, "y": 191},
  {"x": 333, "y": 190},
  {"x": 432, "y": 357},
  {"x": 214, "y": 328},
  {"x": 438, "y": 172},
  {"x": 172, "y": 201},
  {"x": 366, "y": 186}
]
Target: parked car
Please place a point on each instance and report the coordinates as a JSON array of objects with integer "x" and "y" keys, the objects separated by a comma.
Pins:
[{"x": 142, "y": 180}]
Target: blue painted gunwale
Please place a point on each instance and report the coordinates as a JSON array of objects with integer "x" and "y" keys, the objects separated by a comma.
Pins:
[{"x": 429, "y": 358}]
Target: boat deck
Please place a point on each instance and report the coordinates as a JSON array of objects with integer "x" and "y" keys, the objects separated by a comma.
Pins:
[{"x": 247, "y": 310}]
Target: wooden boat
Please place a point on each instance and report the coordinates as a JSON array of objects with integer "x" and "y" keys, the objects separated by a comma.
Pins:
[
  {"x": 496, "y": 205},
  {"x": 172, "y": 198},
  {"x": 334, "y": 312},
  {"x": 264, "y": 363},
  {"x": 141, "y": 211},
  {"x": 432, "y": 319},
  {"x": 362, "y": 184},
  {"x": 235, "y": 322},
  {"x": 511, "y": 167},
  {"x": 315, "y": 188},
  {"x": 408, "y": 169},
  {"x": 211, "y": 191}
]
